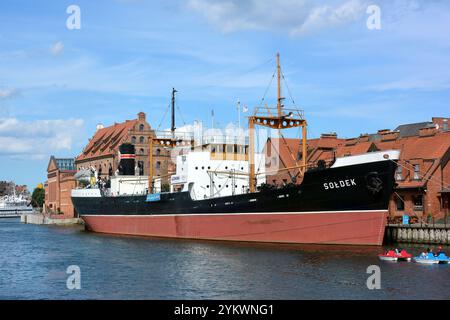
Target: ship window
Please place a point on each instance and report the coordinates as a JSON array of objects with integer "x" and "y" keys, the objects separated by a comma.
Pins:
[
  {"x": 203, "y": 168},
  {"x": 220, "y": 186},
  {"x": 207, "y": 186},
  {"x": 196, "y": 168},
  {"x": 227, "y": 186},
  {"x": 226, "y": 168},
  {"x": 209, "y": 168}
]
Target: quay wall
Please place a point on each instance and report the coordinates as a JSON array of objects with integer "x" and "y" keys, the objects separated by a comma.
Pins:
[
  {"x": 437, "y": 234},
  {"x": 43, "y": 219}
]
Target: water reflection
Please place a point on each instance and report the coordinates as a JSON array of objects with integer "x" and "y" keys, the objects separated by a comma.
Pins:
[{"x": 34, "y": 260}]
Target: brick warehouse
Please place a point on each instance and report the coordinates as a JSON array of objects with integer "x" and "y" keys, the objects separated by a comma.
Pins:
[
  {"x": 423, "y": 175},
  {"x": 102, "y": 151},
  {"x": 60, "y": 182}
]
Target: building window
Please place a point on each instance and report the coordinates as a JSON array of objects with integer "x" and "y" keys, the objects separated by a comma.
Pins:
[
  {"x": 399, "y": 174},
  {"x": 133, "y": 140},
  {"x": 418, "y": 203},
  {"x": 142, "y": 151},
  {"x": 230, "y": 149},
  {"x": 416, "y": 172},
  {"x": 400, "y": 203},
  {"x": 445, "y": 125},
  {"x": 141, "y": 140},
  {"x": 158, "y": 164},
  {"x": 158, "y": 152},
  {"x": 141, "y": 127}
]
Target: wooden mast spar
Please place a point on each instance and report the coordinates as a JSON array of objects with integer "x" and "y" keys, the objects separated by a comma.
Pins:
[{"x": 281, "y": 121}]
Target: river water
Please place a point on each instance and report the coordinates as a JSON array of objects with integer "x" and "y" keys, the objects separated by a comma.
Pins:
[{"x": 34, "y": 260}]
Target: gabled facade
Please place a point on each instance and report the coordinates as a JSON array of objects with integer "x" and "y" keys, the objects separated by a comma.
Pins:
[
  {"x": 60, "y": 175},
  {"x": 102, "y": 151}
]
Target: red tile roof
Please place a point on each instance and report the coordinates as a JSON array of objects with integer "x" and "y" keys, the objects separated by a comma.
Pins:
[{"x": 106, "y": 141}]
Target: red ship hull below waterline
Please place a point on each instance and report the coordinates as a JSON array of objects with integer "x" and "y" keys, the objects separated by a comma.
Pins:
[{"x": 343, "y": 227}]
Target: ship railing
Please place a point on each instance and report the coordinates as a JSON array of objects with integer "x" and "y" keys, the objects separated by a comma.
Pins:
[
  {"x": 178, "y": 135},
  {"x": 285, "y": 112}
]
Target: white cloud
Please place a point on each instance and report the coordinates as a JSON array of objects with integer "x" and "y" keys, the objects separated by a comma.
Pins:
[
  {"x": 297, "y": 17},
  {"x": 38, "y": 138},
  {"x": 6, "y": 93},
  {"x": 57, "y": 48}
]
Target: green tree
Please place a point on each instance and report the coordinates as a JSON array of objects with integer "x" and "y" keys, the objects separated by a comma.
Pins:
[{"x": 38, "y": 197}]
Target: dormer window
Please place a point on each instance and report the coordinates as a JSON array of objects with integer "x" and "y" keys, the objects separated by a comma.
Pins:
[
  {"x": 416, "y": 172},
  {"x": 399, "y": 174}
]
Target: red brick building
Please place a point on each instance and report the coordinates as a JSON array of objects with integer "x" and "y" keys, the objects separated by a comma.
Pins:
[
  {"x": 60, "y": 175},
  {"x": 102, "y": 151},
  {"x": 423, "y": 174}
]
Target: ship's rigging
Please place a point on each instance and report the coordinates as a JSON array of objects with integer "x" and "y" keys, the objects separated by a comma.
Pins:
[{"x": 278, "y": 118}]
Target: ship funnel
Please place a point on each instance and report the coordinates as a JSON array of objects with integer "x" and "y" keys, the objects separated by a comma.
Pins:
[{"x": 127, "y": 159}]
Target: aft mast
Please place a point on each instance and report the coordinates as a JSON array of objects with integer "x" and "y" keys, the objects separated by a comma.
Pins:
[{"x": 293, "y": 119}]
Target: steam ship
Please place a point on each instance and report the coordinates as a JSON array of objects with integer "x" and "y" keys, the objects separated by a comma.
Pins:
[{"x": 217, "y": 195}]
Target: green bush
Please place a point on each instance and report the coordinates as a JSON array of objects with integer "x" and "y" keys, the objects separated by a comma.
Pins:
[{"x": 38, "y": 197}]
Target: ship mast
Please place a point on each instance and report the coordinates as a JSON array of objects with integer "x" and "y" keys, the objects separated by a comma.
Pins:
[
  {"x": 279, "y": 98},
  {"x": 281, "y": 121},
  {"x": 172, "y": 128},
  {"x": 165, "y": 142}
]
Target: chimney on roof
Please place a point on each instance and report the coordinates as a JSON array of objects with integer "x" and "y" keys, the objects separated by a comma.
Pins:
[
  {"x": 141, "y": 116},
  {"x": 441, "y": 123},
  {"x": 363, "y": 138},
  {"x": 331, "y": 135},
  {"x": 427, "y": 131},
  {"x": 390, "y": 135},
  {"x": 383, "y": 131},
  {"x": 99, "y": 127}
]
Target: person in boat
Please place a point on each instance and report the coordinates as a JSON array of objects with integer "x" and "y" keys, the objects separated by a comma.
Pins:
[{"x": 439, "y": 251}]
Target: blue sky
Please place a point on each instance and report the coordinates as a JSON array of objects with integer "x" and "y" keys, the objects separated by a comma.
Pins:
[{"x": 57, "y": 84}]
